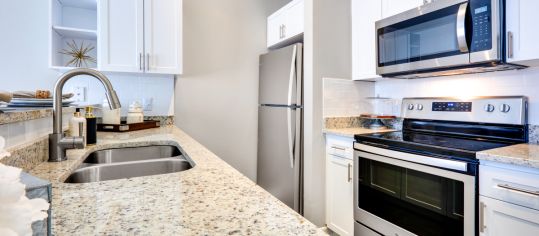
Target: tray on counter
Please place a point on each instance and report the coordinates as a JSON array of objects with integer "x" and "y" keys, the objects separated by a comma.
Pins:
[{"x": 123, "y": 127}]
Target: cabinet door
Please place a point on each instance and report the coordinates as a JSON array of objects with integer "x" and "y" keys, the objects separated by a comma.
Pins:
[
  {"x": 274, "y": 28},
  {"x": 393, "y": 7},
  {"x": 339, "y": 195},
  {"x": 120, "y": 41},
  {"x": 498, "y": 218},
  {"x": 364, "y": 16},
  {"x": 521, "y": 23},
  {"x": 163, "y": 36},
  {"x": 294, "y": 24}
]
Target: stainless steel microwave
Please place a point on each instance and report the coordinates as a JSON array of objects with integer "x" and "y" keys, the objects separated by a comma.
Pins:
[{"x": 445, "y": 37}]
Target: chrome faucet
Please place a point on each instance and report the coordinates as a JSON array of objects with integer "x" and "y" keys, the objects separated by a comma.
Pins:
[{"x": 58, "y": 144}]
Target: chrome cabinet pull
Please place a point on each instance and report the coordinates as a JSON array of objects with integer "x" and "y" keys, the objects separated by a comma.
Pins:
[
  {"x": 349, "y": 172},
  {"x": 147, "y": 61},
  {"x": 284, "y": 31},
  {"x": 482, "y": 225},
  {"x": 510, "y": 50},
  {"x": 140, "y": 62},
  {"x": 338, "y": 148},
  {"x": 522, "y": 190}
]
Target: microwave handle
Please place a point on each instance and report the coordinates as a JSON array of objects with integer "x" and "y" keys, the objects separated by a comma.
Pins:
[{"x": 461, "y": 27}]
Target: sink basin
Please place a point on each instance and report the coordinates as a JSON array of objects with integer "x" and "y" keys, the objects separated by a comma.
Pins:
[
  {"x": 132, "y": 154},
  {"x": 128, "y": 170},
  {"x": 120, "y": 163}
]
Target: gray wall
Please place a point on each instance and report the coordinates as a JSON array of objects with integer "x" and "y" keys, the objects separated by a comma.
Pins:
[{"x": 217, "y": 96}]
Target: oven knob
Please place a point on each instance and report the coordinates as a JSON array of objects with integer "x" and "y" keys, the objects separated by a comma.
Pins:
[
  {"x": 489, "y": 108},
  {"x": 419, "y": 107},
  {"x": 505, "y": 108},
  {"x": 411, "y": 107}
]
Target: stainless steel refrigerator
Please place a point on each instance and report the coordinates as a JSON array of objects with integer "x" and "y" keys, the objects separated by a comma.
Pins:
[{"x": 280, "y": 125}]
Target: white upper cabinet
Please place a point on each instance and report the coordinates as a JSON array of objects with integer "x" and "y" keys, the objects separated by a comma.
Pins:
[
  {"x": 163, "y": 36},
  {"x": 286, "y": 24},
  {"x": 121, "y": 39},
  {"x": 142, "y": 36},
  {"x": 522, "y": 34},
  {"x": 393, "y": 7},
  {"x": 364, "y": 16}
]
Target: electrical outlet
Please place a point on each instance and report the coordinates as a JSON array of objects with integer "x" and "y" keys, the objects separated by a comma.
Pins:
[
  {"x": 147, "y": 104},
  {"x": 80, "y": 94}
]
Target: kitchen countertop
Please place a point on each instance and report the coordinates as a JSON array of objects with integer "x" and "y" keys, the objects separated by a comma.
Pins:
[
  {"x": 350, "y": 132},
  {"x": 212, "y": 198},
  {"x": 521, "y": 154},
  {"x": 10, "y": 115}
]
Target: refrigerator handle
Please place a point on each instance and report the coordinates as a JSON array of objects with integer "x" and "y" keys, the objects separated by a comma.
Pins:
[
  {"x": 291, "y": 136},
  {"x": 291, "y": 129}
]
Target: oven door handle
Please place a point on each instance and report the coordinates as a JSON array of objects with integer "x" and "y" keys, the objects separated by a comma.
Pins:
[{"x": 461, "y": 28}]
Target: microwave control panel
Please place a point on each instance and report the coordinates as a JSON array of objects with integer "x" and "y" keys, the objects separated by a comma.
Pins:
[{"x": 481, "y": 13}]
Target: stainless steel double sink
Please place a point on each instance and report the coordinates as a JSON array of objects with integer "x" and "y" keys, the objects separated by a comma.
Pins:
[{"x": 120, "y": 163}]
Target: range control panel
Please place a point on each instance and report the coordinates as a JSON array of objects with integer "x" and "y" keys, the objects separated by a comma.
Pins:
[
  {"x": 496, "y": 110},
  {"x": 452, "y": 106}
]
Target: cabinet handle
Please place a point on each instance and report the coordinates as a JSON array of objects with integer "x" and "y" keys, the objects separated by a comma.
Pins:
[
  {"x": 147, "y": 61},
  {"x": 482, "y": 226},
  {"x": 510, "y": 44},
  {"x": 280, "y": 31},
  {"x": 338, "y": 148},
  {"x": 522, "y": 190},
  {"x": 349, "y": 172},
  {"x": 140, "y": 58},
  {"x": 284, "y": 31}
]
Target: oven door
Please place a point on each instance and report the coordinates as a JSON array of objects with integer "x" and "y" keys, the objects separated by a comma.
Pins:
[
  {"x": 398, "y": 197},
  {"x": 430, "y": 37}
]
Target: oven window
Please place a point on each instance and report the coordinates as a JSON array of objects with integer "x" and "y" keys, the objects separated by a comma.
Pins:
[
  {"x": 421, "y": 203},
  {"x": 430, "y": 36}
]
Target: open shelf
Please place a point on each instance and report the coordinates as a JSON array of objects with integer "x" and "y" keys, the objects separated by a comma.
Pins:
[
  {"x": 86, "y": 4},
  {"x": 68, "y": 32}
]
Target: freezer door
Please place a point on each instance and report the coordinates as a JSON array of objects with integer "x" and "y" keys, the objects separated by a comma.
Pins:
[
  {"x": 279, "y": 163},
  {"x": 280, "y": 76}
]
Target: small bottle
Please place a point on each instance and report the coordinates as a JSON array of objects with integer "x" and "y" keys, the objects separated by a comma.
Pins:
[
  {"x": 135, "y": 114},
  {"x": 91, "y": 121},
  {"x": 75, "y": 126},
  {"x": 110, "y": 117}
]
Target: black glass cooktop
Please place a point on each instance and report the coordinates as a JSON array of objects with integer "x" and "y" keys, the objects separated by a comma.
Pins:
[{"x": 430, "y": 144}]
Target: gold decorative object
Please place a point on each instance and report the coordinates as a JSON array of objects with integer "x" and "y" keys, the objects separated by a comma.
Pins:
[{"x": 79, "y": 54}]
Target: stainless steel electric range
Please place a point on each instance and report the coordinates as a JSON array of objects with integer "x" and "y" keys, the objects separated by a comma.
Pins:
[{"x": 423, "y": 180}]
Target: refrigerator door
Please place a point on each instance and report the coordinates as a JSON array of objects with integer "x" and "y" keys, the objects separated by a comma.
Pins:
[
  {"x": 279, "y": 154},
  {"x": 280, "y": 76}
]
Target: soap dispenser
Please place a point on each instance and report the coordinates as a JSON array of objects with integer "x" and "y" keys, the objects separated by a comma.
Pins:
[{"x": 78, "y": 124}]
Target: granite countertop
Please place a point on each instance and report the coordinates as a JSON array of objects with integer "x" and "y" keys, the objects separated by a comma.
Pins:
[
  {"x": 350, "y": 132},
  {"x": 521, "y": 154},
  {"x": 212, "y": 198},
  {"x": 11, "y": 115}
]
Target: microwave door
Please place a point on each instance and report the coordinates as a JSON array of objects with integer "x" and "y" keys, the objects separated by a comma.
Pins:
[{"x": 433, "y": 36}]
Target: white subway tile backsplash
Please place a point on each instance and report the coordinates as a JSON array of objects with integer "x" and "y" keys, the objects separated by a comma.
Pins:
[{"x": 344, "y": 97}]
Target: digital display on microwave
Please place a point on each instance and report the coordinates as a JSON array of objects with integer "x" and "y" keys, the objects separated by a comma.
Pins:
[{"x": 481, "y": 10}]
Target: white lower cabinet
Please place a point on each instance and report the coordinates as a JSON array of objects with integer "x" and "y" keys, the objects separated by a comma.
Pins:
[
  {"x": 508, "y": 202},
  {"x": 500, "y": 218},
  {"x": 339, "y": 185}
]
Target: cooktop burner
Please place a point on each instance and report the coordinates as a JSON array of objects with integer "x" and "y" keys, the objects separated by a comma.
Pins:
[{"x": 430, "y": 144}]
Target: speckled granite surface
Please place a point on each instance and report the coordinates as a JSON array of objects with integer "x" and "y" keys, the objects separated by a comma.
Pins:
[
  {"x": 534, "y": 134},
  {"x": 520, "y": 154},
  {"x": 25, "y": 114},
  {"x": 350, "y": 132},
  {"x": 28, "y": 155},
  {"x": 356, "y": 121},
  {"x": 210, "y": 199}
]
